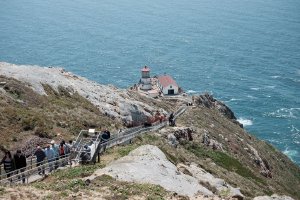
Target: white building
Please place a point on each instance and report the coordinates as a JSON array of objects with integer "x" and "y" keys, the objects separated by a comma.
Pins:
[
  {"x": 145, "y": 81},
  {"x": 167, "y": 85}
]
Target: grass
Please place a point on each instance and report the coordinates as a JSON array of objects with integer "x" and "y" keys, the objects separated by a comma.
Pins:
[
  {"x": 77, "y": 172},
  {"x": 223, "y": 160},
  {"x": 62, "y": 185},
  {"x": 2, "y": 191},
  {"x": 124, "y": 150},
  {"x": 125, "y": 190}
]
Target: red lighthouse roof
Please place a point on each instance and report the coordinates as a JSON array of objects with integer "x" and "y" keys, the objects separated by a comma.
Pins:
[
  {"x": 145, "y": 69},
  {"x": 166, "y": 80}
]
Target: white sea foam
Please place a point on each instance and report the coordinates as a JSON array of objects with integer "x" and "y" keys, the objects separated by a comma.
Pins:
[
  {"x": 245, "y": 122},
  {"x": 233, "y": 99},
  {"x": 290, "y": 153},
  {"x": 288, "y": 113},
  {"x": 191, "y": 91},
  {"x": 255, "y": 88},
  {"x": 270, "y": 86},
  {"x": 275, "y": 77},
  {"x": 251, "y": 97}
]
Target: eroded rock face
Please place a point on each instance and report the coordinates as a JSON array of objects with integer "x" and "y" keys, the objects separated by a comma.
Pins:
[
  {"x": 208, "y": 101},
  {"x": 148, "y": 164},
  {"x": 217, "y": 185},
  {"x": 214, "y": 144},
  {"x": 111, "y": 101},
  {"x": 273, "y": 197},
  {"x": 184, "y": 133},
  {"x": 262, "y": 163}
]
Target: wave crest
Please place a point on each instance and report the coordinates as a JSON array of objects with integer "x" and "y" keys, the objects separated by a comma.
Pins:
[{"x": 245, "y": 122}]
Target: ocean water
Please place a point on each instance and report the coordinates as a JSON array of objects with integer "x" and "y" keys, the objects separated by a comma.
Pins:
[{"x": 245, "y": 52}]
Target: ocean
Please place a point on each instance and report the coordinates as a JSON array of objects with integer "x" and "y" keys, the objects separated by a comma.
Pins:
[{"x": 245, "y": 52}]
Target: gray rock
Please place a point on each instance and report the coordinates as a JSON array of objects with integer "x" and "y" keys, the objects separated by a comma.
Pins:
[
  {"x": 273, "y": 197},
  {"x": 208, "y": 101},
  {"x": 111, "y": 101},
  {"x": 148, "y": 164}
]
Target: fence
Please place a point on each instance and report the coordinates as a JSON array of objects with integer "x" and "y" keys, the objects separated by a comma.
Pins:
[{"x": 96, "y": 144}]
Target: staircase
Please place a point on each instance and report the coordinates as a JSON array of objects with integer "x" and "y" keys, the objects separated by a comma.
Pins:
[{"x": 88, "y": 145}]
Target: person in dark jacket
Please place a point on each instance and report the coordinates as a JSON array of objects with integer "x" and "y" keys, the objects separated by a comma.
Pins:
[
  {"x": 108, "y": 133},
  {"x": 20, "y": 164},
  {"x": 8, "y": 163},
  {"x": 40, "y": 157}
]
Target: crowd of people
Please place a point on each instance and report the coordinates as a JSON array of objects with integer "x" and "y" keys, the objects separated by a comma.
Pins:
[{"x": 51, "y": 154}]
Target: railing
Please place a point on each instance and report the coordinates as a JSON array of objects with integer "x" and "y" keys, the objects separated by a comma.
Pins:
[
  {"x": 84, "y": 138},
  {"x": 130, "y": 134},
  {"x": 30, "y": 170}
]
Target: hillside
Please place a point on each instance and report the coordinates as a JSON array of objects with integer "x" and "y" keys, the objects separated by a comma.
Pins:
[{"x": 40, "y": 104}]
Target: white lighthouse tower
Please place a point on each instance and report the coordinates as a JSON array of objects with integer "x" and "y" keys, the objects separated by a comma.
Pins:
[{"x": 145, "y": 81}]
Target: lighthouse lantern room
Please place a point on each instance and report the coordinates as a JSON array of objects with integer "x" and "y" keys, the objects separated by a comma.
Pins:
[{"x": 145, "y": 81}]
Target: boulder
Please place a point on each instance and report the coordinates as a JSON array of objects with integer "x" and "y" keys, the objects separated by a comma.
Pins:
[
  {"x": 216, "y": 184},
  {"x": 183, "y": 133},
  {"x": 172, "y": 140},
  {"x": 148, "y": 164}
]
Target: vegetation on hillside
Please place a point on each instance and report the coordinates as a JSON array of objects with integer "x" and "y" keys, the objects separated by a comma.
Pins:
[{"x": 25, "y": 114}]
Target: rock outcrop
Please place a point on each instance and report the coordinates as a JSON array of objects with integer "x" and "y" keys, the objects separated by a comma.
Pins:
[
  {"x": 109, "y": 100},
  {"x": 208, "y": 101},
  {"x": 148, "y": 164},
  {"x": 218, "y": 185},
  {"x": 273, "y": 197},
  {"x": 262, "y": 163}
]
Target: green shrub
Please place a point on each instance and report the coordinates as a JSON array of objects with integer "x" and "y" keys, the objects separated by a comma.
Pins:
[{"x": 223, "y": 160}]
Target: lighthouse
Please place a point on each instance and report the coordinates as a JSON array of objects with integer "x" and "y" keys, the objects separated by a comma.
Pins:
[{"x": 145, "y": 81}]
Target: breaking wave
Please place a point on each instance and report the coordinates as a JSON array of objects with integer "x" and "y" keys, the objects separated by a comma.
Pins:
[
  {"x": 245, "y": 122},
  {"x": 290, "y": 153}
]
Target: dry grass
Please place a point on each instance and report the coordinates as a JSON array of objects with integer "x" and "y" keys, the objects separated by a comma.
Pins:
[{"x": 61, "y": 114}]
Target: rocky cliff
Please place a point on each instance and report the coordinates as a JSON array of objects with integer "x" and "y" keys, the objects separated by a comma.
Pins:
[{"x": 207, "y": 155}]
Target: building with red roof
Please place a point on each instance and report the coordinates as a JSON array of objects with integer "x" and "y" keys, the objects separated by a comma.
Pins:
[{"x": 167, "y": 85}]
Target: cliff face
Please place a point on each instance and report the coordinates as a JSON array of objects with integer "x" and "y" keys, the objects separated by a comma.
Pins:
[
  {"x": 113, "y": 102},
  {"x": 37, "y": 104}
]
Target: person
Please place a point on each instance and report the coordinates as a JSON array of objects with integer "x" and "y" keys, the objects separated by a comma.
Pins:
[
  {"x": 50, "y": 154},
  {"x": 8, "y": 163},
  {"x": 171, "y": 118},
  {"x": 40, "y": 157},
  {"x": 108, "y": 133},
  {"x": 104, "y": 137},
  {"x": 20, "y": 164},
  {"x": 55, "y": 148},
  {"x": 86, "y": 154},
  {"x": 67, "y": 147},
  {"x": 62, "y": 152}
]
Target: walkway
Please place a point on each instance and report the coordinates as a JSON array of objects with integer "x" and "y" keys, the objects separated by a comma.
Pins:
[{"x": 79, "y": 151}]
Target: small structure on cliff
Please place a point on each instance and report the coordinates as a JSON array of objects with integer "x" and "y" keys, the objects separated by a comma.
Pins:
[
  {"x": 167, "y": 85},
  {"x": 145, "y": 81},
  {"x": 157, "y": 85}
]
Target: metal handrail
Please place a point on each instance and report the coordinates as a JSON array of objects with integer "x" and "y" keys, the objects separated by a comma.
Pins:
[
  {"x": 99, "y": 146},
  {"x": 18, "y": 174}
]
